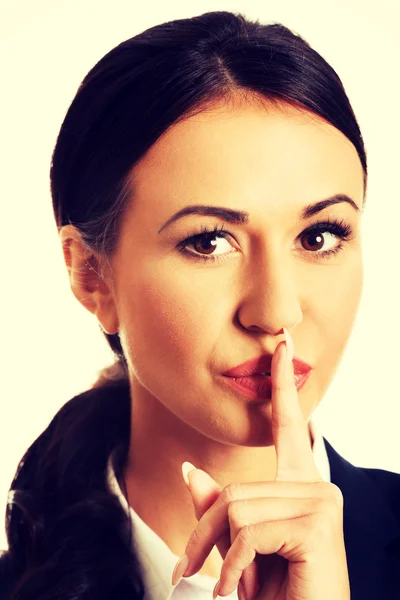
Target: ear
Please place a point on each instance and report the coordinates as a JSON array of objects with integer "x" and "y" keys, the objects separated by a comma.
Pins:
[{"x": 89, "y": 283}]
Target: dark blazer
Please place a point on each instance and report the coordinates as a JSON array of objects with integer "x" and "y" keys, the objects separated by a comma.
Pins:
[
  {"x": 371, "y": 530},
  {"x": 371, "y": 524}
]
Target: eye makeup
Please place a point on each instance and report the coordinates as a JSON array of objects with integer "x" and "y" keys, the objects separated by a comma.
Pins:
[{"x": 337, "y": 228}]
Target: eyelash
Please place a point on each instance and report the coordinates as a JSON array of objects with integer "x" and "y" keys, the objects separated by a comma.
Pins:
[{"x": 340, "y": 229}]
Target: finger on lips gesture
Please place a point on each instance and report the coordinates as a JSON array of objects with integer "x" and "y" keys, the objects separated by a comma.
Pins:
[{"x": 281, "y": 539}]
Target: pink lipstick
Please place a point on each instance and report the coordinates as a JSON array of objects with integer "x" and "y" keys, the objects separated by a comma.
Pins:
[{"x": 253, "y": 377}]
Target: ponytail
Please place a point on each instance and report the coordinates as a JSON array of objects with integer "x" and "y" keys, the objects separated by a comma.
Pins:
[{"x": 69, "y": 538}]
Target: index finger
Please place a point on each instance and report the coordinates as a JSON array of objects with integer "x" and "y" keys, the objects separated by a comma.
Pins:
[{"x": 295, "y": 460}]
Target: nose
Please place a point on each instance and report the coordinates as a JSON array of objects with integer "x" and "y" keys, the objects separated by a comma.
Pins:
[{"x": 270, "y": 299}]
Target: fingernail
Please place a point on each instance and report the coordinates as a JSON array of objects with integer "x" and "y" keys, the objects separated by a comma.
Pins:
[
  {"x": 289, "y": 344},
  {"x": 180, "y": 568},
  {"x": 241, "y": 592},
  {"x": 186, "y": 467},
  {"x": 216, "y": 589}
]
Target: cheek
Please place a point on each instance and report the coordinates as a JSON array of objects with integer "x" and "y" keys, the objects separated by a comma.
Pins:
[
  {"x": 343, "y": 298},
  {"x": 334, "y": 309},
  {"x": 168, "y": 321}
]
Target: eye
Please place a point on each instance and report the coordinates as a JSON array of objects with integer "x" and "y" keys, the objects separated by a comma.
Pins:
[
  {"x": 321, "y": 240},
  {"x": 325, "y": 238},
  {"x": 205, "y": 244}
]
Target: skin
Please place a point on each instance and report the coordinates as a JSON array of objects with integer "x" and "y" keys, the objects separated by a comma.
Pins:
[
  {"x": 281, "y": 539},
  {"x": 183, "y": 322}
]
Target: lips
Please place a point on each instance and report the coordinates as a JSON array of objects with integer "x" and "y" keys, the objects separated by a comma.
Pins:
[
  {"x": 247, "y": 377},
  {"x": 262, "y": 364}
]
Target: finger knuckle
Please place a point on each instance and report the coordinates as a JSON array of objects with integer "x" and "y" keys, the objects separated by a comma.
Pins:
[
  {"x": 286, "y": 420},
  {"x": 194, "y": 540},
  {"x": 322, "y": 527},
  {"x": 236, "y": 514},
  {"x": 234, "y": 564},
  {"x": 323, "y": 507},
  {"x": 336, "y": 495},
  {"x": 332, "y": 492},
  {"x": 277, "y": 386},
  {"x": 230, "y": 492},
  {"x": 244, "y": 536},
  {"x": 231, "y": 568}
]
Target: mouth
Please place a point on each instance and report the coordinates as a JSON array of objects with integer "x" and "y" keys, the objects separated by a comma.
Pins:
[
  {"x": 253, "y": 377},
  {"x": 261, "y": 365},
  {"x": 259, "y": 386}
]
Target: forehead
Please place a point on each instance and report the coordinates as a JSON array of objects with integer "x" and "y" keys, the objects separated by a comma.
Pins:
[{"x": 279, "y": 151}]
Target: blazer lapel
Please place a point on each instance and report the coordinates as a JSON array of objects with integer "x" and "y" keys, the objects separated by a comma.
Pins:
[{"x": 371, "y": 528}]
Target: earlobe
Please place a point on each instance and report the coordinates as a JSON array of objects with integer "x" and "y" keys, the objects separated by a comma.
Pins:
[
  {"x": 87, "y": 284},
  {"x": 106, "y": 313}
]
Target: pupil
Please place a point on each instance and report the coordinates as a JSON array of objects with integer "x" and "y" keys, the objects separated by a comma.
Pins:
[
  {"x": 316, "y": 239},
  {"x": 206, "y": 241}
]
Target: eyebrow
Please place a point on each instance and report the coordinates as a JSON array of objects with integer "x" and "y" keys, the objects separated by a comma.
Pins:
[{"x": 238, "y": 217}]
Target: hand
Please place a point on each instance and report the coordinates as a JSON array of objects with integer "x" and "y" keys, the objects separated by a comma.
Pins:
[{"x": 282, "y": 539}]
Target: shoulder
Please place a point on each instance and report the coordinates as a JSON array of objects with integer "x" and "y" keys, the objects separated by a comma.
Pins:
[
  {"x": 371, "y": 495},
  {"x": 356, "y": 479},
  {"x": 386, "y": 479},
  {"x": 345, "y": 471},
  {"x": 388, "y": 484}
]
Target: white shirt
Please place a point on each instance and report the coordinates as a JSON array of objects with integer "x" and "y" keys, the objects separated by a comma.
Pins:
[{"x": 157, "y": 560}]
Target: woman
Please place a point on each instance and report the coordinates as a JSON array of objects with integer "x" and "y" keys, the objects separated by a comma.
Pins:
[{"x": 208, "y": 184}]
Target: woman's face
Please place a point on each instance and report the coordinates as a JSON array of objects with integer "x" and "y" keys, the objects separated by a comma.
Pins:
[{"x": 187, "y": 317}]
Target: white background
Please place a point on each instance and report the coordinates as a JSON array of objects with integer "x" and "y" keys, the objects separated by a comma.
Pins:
[{"x": 51, "y": 346}]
